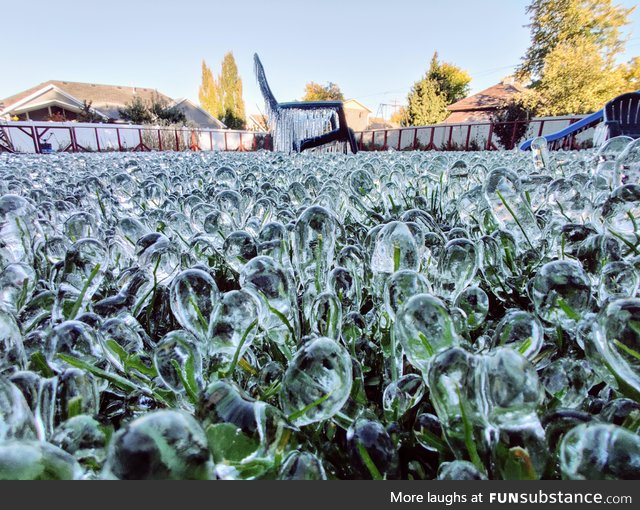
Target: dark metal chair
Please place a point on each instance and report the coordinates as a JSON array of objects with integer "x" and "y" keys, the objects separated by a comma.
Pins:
[
  {"x": 622, "y": 115},
  {"x": 302, "y": 125}
]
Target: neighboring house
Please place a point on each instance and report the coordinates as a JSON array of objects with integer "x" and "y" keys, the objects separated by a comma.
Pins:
[
  {"x": 380, "y": 123},
  {"x": 357, "y": 114},
  {"x": 480, "y": 106},
  {"x": 65, "y": 99},
  {"x": 196, "y": 115},
  {"x": 256, "y": 122}
]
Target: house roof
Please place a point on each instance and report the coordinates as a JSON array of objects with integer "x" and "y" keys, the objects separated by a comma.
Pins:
[
  {"x": 185, "y": 105},
  {"x": 195, "y": 113},
  {"x": 105, "y": 99},
  {"x": 100, "y": 95},
  {"x": 258, "y": 118},
  {"x": 468, "y": 116},
  {"x": 488, "y": 99},
  {"x": 356, "y": 103}
]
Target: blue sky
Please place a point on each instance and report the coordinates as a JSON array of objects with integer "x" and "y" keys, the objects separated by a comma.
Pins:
[{"x": 374, "y": 50}]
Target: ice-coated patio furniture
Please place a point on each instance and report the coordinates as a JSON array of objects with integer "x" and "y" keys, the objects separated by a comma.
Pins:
[
  {"x": 302, "y": 125},
  {"x": 622, "y": 115}
]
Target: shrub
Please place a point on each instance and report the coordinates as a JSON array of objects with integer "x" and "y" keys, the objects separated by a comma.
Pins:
[{"x": 511, "y": 121}]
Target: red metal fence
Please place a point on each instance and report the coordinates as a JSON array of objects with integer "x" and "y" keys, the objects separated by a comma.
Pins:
[
  {"x": 31, "y": 137},
  {"x": 464, "y": 137}
]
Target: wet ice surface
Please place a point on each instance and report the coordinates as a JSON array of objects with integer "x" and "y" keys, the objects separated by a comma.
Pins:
[{"x": 385, "y": 315}]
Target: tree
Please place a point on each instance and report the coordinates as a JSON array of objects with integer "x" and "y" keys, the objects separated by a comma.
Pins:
[
  {"x": 511, "y": 121},
  {"x": 400, "y": 117},
  {"x": 136, "y": 112},
  {"x": 427, "y": 105},
  {"x": 632, "y": 74},
  {"x": 577, "y": 79},
  {"x": 555, "y": 22},
  {"x": 443, "y": 84},
  {"x": 452, "y": 81},
  {"x": 222, "y": 96},
  {"x": 88, "y": 114},
  {"x": 156, "y": 111},
  {"x": 209, "y": 93},
  {"x": 165, "y": 114},
  {"x": 231, "y": 94},
  {"x": 316, "y": 92}
]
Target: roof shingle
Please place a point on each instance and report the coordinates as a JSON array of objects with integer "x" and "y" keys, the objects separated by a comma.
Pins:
[{"x": 488, "y": 99}]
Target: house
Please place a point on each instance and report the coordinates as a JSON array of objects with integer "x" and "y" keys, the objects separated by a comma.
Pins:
[
  {"x": 479, "y": 107},
  {"x": 63, "y": 100},
  {"x": 257, "y": 122},
  {"x": 196, "y": 115},
  {"x": 381, "y": 123},
  {"x": 357, "y": 114}
]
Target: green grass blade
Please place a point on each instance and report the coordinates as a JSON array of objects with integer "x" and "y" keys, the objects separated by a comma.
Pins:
[
  {"x": 78, "y": 303},
  {"x": 236, "y": 355},
  {"x": 114, "y": 379},
  {"x": 368, "y": 462},
  {"x": 315, "y": 403}
]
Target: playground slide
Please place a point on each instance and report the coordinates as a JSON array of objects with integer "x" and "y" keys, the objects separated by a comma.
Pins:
[{"x": 572, "y": 130}]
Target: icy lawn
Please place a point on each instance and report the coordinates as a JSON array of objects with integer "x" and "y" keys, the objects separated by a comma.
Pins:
[{"x": 385, "y": 315}]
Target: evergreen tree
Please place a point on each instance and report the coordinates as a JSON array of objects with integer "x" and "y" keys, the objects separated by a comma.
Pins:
[
  {"x": 156, "y": 111},
  {"x": 427, "y": 105},
  {"x": 136, "y": 112},
  {"x": 563, "y": 21},
  {"x": 165, "y": 114},
  {"x": 442, "y": 85},
  {"x": 452, "y": 81}
]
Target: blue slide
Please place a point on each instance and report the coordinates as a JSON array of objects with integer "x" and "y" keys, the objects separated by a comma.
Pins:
[{"x": 573, "y": 129}]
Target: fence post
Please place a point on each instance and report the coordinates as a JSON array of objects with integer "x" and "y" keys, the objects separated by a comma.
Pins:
[
  {"x": 226, "y": 145},
  {"x": 159, "y": 139},
  {"x": 384, "y": 143},
  {"x": 415, "y": 138},
  {"x": 400, "y": 138},
  {"x": 210, "y": 140},
  {"x": 36, "y": 141},
  {"x": 119, "y": 141},
  {"x": 466, "y": 143},
  {"x": 513, "y": 134},
  {"x": 72, "y": 137},
  {"x": 490, "y": 137}
]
